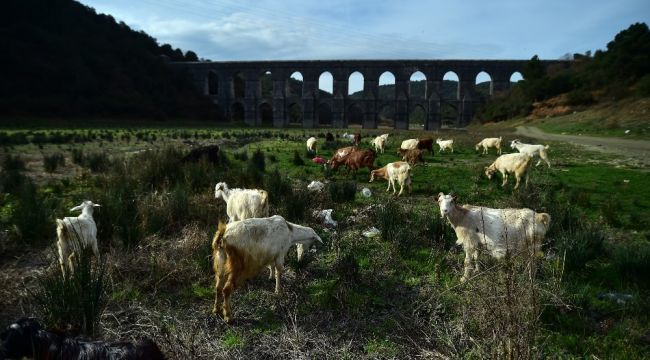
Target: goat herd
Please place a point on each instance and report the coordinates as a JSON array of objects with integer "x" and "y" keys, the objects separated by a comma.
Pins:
[{"x": 253, "y": 240}]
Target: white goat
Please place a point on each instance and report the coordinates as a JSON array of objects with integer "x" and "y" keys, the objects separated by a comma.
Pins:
[
  {"x": 241, "y": 249},
  {"x": 76, "y": 232},
  {"x": 488, "y": 143},
  {"x": 311, "y": 144},
  {"x": 532, "y": 150},
  {"x": 379, "y": 142},
  {"x": 409, "y": 144},
  {"x": 499, "y": 230},
  {"x": 445, "y": 144},
  {"x": 242, "y": 203},
  {"x": 515, "y": 163},
  {"x": 399, "y": 170},
  {"x": 350, "y": 137}
]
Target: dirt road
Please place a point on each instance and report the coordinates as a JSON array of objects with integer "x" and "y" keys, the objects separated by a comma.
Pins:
[{"x": 638, "y": 149}]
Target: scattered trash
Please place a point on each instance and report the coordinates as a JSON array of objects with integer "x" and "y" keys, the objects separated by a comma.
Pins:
[
  {"x": 366, "y": 192},
  {"x": 318, "y": 160},
  {"x": 620, "y": 299},
  {"x": 316, "y": 186},
  {"x": 627, "y": 131},
  {"x": 626, "y": 181},
  {"x": 326, "y": 217},
  {"x": 372, "y": 232}
]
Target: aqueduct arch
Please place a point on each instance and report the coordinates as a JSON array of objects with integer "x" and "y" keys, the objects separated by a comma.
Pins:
[{"x": 236, "y": 86}]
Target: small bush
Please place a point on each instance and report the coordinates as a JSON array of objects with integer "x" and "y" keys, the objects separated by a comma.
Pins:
[
  {"x": 633, "y": 261},
  {"x": 52, "y": 162},
  {"x": 76, "y": 301},
  {"x": 344, "y": 191},
  {"x": 97, "y": 162},
  {"x": 258, "y": 160},
  {"x": 77, "y": 156},
  {"x": 241, "y": 156},
  {"x": 277, "y": 186},
  {"x": 579, "y": 246},
  {"x": 296, "y": 205},
  {"x": 13, "y": 163},
  {"x": 297, "y": 159}
]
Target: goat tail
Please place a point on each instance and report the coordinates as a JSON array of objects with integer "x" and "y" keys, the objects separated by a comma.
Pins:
[
  {"x": 543, "y": 218},
  {"x": 546, "y": 147},
  {"x": 265, "y": 202},
  {"x": 61, "y": 229},
  {"x": 217, "y": 241}
]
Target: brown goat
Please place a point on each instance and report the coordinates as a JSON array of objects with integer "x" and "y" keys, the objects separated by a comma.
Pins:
[
  {"x": 413, "y": 156},
  {"x": 356, "y": 160},
  {"x": 357, "y": 139},
  {"x": 426, "y": 144}
]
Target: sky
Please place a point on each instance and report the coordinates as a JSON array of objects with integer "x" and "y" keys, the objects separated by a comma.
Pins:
[{"x": 222, "y": 30}]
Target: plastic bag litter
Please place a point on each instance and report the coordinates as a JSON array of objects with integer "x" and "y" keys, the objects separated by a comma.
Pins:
[
  {"x": 326, "y": 217},
  {"x": 316, "y": 186},
  {"x": 366, "y": 192},
  {"x": 372, "y": 232}
]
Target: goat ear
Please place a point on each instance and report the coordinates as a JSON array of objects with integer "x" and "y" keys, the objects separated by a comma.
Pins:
[
  {"x": 440, "y": 195},
  {"x": 96, "y": 205}
]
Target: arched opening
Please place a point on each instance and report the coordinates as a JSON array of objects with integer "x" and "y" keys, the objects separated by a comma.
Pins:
[
  {"x": 449, "y": 100},
  {"x": 294, "y": 112},
  {"x": 387, "y": 86},
  {"x": 325, "y": 85},
  {"x": 418, "y": 85},
  {"x": 386, "y": 115},
  {"x": 266, "y": 114},
  {"x": 238, "y": 86},
  {"x": 219, "y": 114},
  {"x": 483, "y": 85},
  {"x": 294, "y": 86},
  {"x": 516, "y": 77},
  {"x": 324, "y": 114},
  {"x": 237, "y": 112},
  {"x": 354, "y": 116},
  {"x": 417, "y": 117},
  {"x": 213, "y": 83},
  {"x": 266, "y": 85},
  {"x": 355, "y": 85}
]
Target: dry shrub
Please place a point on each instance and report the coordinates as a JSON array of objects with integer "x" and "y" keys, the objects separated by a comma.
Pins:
[{"x": 165, "y": 264}]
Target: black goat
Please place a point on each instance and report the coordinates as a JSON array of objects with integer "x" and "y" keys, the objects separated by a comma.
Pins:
[{"x": 27, "y": 338}]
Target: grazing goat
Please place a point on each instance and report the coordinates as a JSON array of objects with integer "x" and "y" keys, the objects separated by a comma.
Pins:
[
  {"x": 413, "y": 156},
  {"x": 499, "y": 230},
  {"x": 311, "y": 144},
  {"x": 341, "y": 153},
  {"x": 409, "y": 144},
  {"x": 242, "y": 203},
  {"x": 445, "y": 144},
  {"x": 27, "y": 338},
  {"x": 488, "y": 143},
  {"x": 241, "y": 249},
  {"x": 425, "y": 144},
  {"x": 379, "y": 142},
  {"x": 209, "y": 152},
  {"x": 532, "y": 150},
  {"x": 399, "y": 171},
  {"x": 349, "y": 137},
  {"x": 516, "y": 163},
  {"x": 356, "y": 138},
  {"x": 75, "y": 234},
  {"x": 356, "y": 160},
  {"x": 329, "y": 137}
]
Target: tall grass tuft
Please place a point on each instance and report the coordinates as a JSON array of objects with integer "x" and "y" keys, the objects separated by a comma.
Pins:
[
  {"x": 297, "y": 159},
  {"x": 343, "y": 191},
  {"x": 579, "y": 245},
  {"x": 77, "y": 300},
  {"x": 258, "y": 160},
  {"x": 13, "y": 163},
  {"x": 633, "y": 261},
  {"x": 52, "y": 162}
]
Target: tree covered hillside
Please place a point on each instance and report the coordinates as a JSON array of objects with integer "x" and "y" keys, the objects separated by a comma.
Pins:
[{"x": 61, "y": 58}]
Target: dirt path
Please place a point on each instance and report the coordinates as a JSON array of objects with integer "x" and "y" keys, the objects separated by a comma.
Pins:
[{"x": 638, "y": 149}]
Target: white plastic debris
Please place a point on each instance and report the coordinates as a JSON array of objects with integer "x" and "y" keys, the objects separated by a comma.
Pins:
[
  {"x": 366, "y": 192},
  {"x": 316, "y": 186},
  {"x": 627, "y": 131},
  {"x": 326, "y": 217},
  {"x": 372, "y": 232}
]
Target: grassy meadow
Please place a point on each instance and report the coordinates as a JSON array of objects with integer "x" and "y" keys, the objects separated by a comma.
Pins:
[{"x": 397, "y": 295}]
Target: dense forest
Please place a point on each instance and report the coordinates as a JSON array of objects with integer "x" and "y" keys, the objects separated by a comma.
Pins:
[
  {"x": 61, "y": 58},
  {"x": 622, "y": 70}
]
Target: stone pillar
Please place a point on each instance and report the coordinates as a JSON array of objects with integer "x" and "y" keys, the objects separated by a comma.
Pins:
[
  {"x": 370, "y": 102},
  {"x": 278, "y": 101},
  {"x": 500, "y": 83},
  {"x": 309, "y": 93},
  {"x": 401, "y": 102},
  {"x": 250, "y": 108},
  {"x": 340, "y": 87},
  {"x": 466, "y": 92}
]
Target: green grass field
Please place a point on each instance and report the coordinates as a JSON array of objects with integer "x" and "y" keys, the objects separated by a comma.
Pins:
[{"x": 393, "y": 296}]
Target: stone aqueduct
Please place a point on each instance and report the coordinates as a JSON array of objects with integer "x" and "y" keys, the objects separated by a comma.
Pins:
[{"x": 236, "y": 89}]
